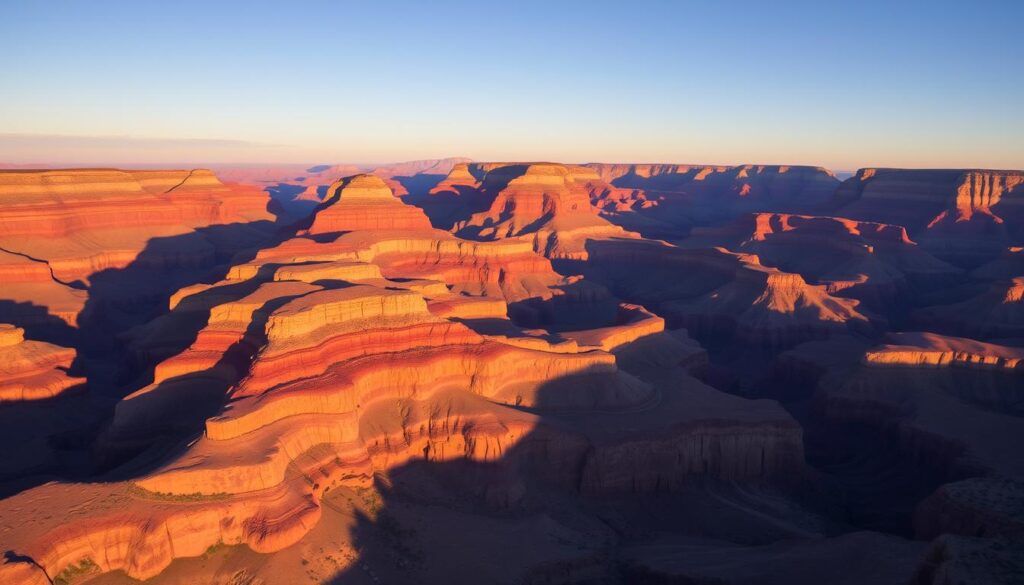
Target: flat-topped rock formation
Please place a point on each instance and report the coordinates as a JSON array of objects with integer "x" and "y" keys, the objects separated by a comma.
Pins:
[
  {"x": 394, "y": 372},
  {"x": 995, "y": 312},
  {"x": 364, "y": 202},
  {"x": 327, "y": 360},
  {"x": 59, "y": 227},
  {"x": 665, "y": 201},
  {"x": 507, "y": 269},
  {"x": 963, "y": 216},
  {"x": 720, "y": 295},
  {"x": 930, "y": 349},
  {"x": 32, "y": 370},
  {"x": 873, "y": 262},
  {"x": 297, "y": 189},
  {"x": 540, "y": 202},
  {"x": 979, "y": 506},
  {"x": 953, "y": 403}
]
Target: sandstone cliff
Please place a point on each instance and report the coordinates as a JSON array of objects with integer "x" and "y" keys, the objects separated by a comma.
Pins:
[
  {"x": 875, "y": 263},
  {"x": 665, "y": 201},
  {"x": 540, "y": 202},
  {"x": 32, "y": 370},
  {"x": 719, "y": 295},
  {"x": 963, "y": 216},
  {"x": 352, "y": 351}
]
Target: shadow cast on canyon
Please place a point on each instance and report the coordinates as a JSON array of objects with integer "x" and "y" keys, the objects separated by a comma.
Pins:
[
  {"x": 63, "y": 432},
  {"x": 536, "y": 510},
  {"x": 487, "y": 508},
  {"x": 37, "y": 321},
  {"x": 420, "y": 184}
]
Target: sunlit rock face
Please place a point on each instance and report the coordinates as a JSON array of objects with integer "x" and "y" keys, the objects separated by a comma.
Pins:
[
  {"x": 351, "y": 350},
  {"x": 364, "y": 202},
  {"x": 544, "y": 203},
  {"x": 82, "y": 221},
  {"x": 32, "y": 370},
  {"x": 963, "y": 216},
  {"x": 875, "y": 263},
  {"x": 724, "y": 296},
  {"x": 954, "y": 401},
  {"x": 60, "y": 227},
  {"x": 578, "y": 373}
]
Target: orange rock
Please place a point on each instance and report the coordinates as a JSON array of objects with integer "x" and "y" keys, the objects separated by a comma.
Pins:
[
  {"x": 364, "y": 202},
  {"x": 875, "y": 263},
  {"x": 32, "y": 370},
  {"x": 962, "y": 216},
  {"x": 540, "y": 202},
  {"x": 721, "y": 295}
]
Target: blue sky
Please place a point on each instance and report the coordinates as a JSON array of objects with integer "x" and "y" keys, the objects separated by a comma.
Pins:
[{"x": 844, "y": 85}]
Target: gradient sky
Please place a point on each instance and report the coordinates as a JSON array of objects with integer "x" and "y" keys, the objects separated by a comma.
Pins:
[{"x": 838, "y": 84}]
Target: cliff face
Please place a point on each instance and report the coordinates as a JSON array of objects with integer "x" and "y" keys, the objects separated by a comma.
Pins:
[
  {"x": 60, "y": 204},
  {"x": 963, "y": 216},
  {"x": 363, "y": 350},
  {"x": 952, "y": 403},
  {"x": 326, "y": 360},
  {"x": 721, "y": 296},
  {"x": 979, "y": 507},
  {"x": 364, "y": 202},
  {"x": 543, "y": 203},
  {"x": 667, "y": 200},
  {"x": 875, "y": 263},
  {"x": 995, "y": 311},
  {"x": 32, "y": 370},
  {"x": 57, "y": 228}
]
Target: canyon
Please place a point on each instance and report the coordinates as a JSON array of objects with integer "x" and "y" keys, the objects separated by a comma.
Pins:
[{"x": 511, "y": 372}]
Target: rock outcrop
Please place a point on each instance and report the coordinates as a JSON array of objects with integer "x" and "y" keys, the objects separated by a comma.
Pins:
[
  {"x": 538, "y": 202},
  {"x": 32, "y": 370},
  {"x": 962, "y": 216},
  {"x": 330, "y": 358},
  {"x": 59, "y": 227},
  {"x": 718, "y": 295},
  {"x": 951, "y": 404},
  {"x": 364, "y": 202},
  {"x": 994, "y": 312},
  {"x": 979, "y": 507},
  {"x": 875, "y": 263},
  {"x": 665, "y": 201},
  {"x": 400, "y": 369}
]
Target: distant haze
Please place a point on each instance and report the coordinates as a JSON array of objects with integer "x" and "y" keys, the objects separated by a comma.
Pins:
[{"x": 840, "y": 85}]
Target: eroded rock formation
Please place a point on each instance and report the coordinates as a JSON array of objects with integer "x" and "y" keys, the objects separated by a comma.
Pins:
[
  {"x": 350, "y": 351},
  {"x": 723, "y": 296},
  {"x": 395, "y": 373},
  {"x": 32, "y": 370},
  {"x": 963, "y": 216},
  {"x": 545, "y": 203},
  {"x": 665, "y": 200},
  {"x": 875, "y": 263},
  {"x": 59, "y": 227}
]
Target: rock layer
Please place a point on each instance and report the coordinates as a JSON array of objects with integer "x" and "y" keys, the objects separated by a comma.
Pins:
[
  {"x": 963, "y": 216},
  {"x": 540, "y": 202},
  {"x": 326, "y": 360},
  {"x": 32, "y": 370}
]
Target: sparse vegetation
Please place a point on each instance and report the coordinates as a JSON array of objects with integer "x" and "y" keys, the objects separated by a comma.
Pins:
[
  {"x": 371, "y": 499},
  {"x": 73, "y": 573},
  {"x": 141, "y": 492},
  {"x": 213, "y": 549}
]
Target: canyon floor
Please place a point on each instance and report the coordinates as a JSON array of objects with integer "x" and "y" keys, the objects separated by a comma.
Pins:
[{"x": 450, "y": 371}]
